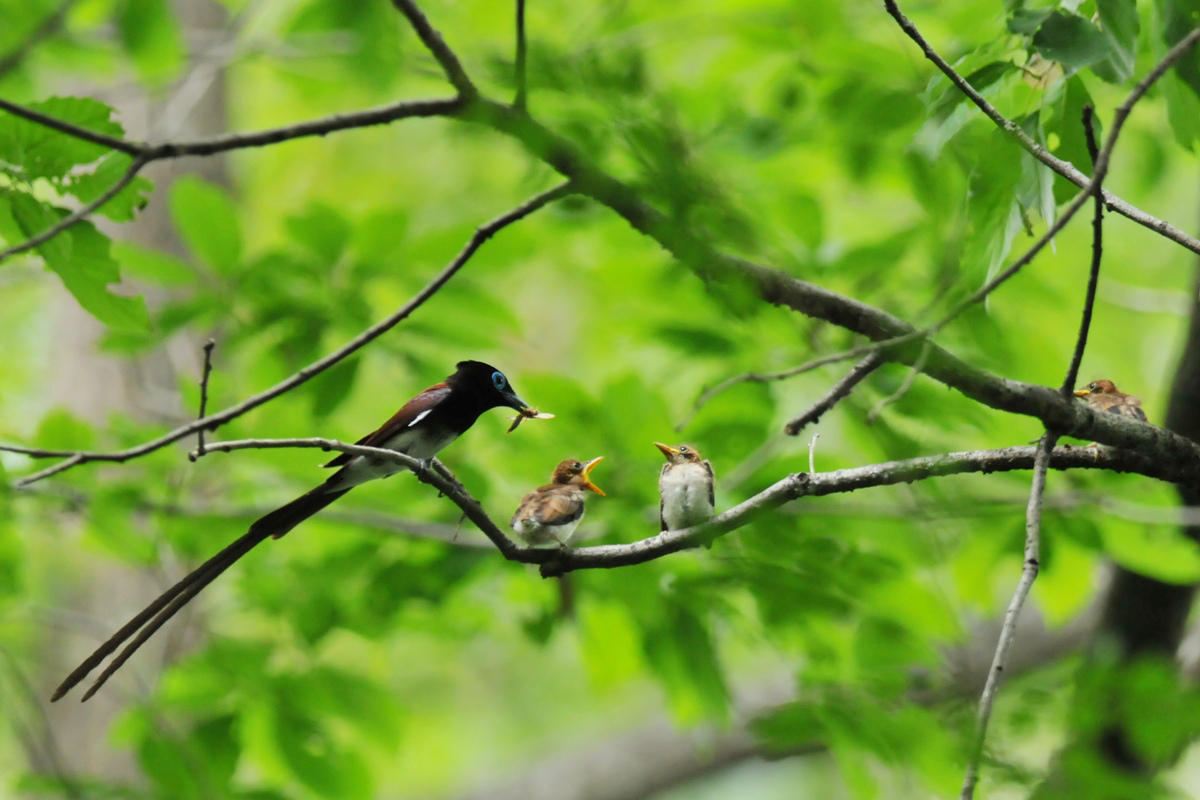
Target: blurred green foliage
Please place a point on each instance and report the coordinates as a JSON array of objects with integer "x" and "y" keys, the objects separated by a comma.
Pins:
[{"x": 348, "y": 661}]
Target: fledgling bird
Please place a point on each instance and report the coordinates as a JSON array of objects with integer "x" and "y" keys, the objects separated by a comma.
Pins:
[
  {"x": 549, "y": 515},
  {"x": 421, "y": 428},
  {"x": 1103, "y": 396},
  {"x": 685, "y": 487}
]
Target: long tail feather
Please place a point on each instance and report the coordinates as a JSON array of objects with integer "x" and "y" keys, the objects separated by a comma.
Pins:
[{"x": 155, "y": 615}]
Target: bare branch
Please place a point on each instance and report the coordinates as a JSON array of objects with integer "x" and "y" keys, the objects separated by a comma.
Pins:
[
  {"x": 382, "y": 115},
  {"x": 1064, "y": 168},
  {"x": 768, "y": 377},
  {"x": 436, "y": 45},
  {"x": 835, "y": 394},
  {"x": 481, "y": 235},
  {"x": 70, "y": 129},
  {"x": 558, "y": 562},
  {"x": 77, "y": 216},
  {"x": 800, "y": 485},
  {"x": 904, "y": 386},
  {"x": 208, "y": 348},
  {"x": 435, "y": 477},
  {"x": 1089, "y": 302},
  {"x": 1029, "y": 571},
  {"x": 522, "y": 99}
]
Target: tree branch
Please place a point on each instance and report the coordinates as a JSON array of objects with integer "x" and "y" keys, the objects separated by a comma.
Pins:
[
  {"x": 436, "y": 45},
  {"x": 1008, "y": 631},
  {"x": 792, "y": 487},
  {"x": 836, "y": 393},
  {"x": 481, "y": 235},
  {"x": 1063, "y": 168},
  {"x": 204, "y": 375},
  {"x": 77, "y": 216},
  {"x": 521, "y": 100},
  {"x": 1089, "y": 302}
]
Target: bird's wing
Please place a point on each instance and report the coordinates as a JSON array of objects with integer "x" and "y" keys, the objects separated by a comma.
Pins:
[
  {"x": 1132, "y": 407},
  {"x": 1125, "y": 405},
  {"x": 524, "y": 509},
  {"x": 411, "y": 412},
  {"x": 662, "y": 520},
  {"x": 712, "y": 484},
  {"x": 553, "y": 507}
]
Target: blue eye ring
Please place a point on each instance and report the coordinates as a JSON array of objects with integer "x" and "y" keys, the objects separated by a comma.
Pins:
[{"x": 499, "y": 381}]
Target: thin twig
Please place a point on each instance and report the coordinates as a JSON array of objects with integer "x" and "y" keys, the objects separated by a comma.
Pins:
[
  {"x": 481, "y": 235},
  {"x": 768, "y": 377},
  {"x": 904, "y": 386},
  {"x": 208, "y": 348},
  {"x": 812, "y": 454},
  {"x": 520, "y": 102},
  {"x": 437, "y": 46},
  {"x": 1064, "y": 168},
  {"x": 1029, "y": 571},
  {"x": 71, "y": 219},
  {"x": 1089, "y": 302},
  {"x": 836, "y": 393}
]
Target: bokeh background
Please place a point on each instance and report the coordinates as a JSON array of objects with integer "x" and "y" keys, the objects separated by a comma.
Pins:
[{"x": 830, "y": 649}]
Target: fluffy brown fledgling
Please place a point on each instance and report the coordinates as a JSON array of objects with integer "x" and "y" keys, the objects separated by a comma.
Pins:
[{"x": 549, "y": 515}]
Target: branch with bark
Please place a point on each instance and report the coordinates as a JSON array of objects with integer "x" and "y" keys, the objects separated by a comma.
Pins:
[{"x": 555, "y": 562}]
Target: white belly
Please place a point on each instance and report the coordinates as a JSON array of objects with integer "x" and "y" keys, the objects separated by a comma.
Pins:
[
  {"x": 537, "y": 535},
  {"x": 362, "y": 469},
  {"x": 685, "y": 500}
]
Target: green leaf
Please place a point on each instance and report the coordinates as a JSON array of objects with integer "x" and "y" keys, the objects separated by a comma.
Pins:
[
  {"x": 322, "y": 230},
  {"x": 59, "y": 430},
  {"x": 42, "y": 152},
  {"x": 207, "y": 221},
  {"x": 331, "y": 388},
  {"x": 1179, "y": 18},
  {"x": 80, "y": 257},
  {"x": 683, "y": 655},
  {"x": 993, "y": 212},
  {"x": 1071, "y": 40},
  {"x": 1119, "y": 22},
  {"x": 1065, "y": 123},
  {"x": 1026, "y": 21},
  {"x": 154, "y": 266},
  {"x": 153, "y": 39},
  {"x": 789, "y": 726},
  {"x": 120, "y": 207}
]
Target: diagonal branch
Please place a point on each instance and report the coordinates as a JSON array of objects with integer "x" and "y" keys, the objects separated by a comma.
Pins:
[
  {"x": 436, "y": 45},
  {"x": 836, "y": 393},
  {"x": 1008, "y": 631},
  {"x": 79, "y": 215},
  {"x": 212, "y": 422},
  {"x": 1064, "y": 168}
]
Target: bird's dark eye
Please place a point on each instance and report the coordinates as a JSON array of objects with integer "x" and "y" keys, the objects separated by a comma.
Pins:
[
  {"x": 683, "y": 449},
  {"x": 576, "y": 465},
  {"x": 499, "y": 381},
  {"x": 1091, "y": 386}
]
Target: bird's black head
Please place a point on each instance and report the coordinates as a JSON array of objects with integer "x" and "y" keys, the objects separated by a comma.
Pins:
[{"x": 488, "y": 384}]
